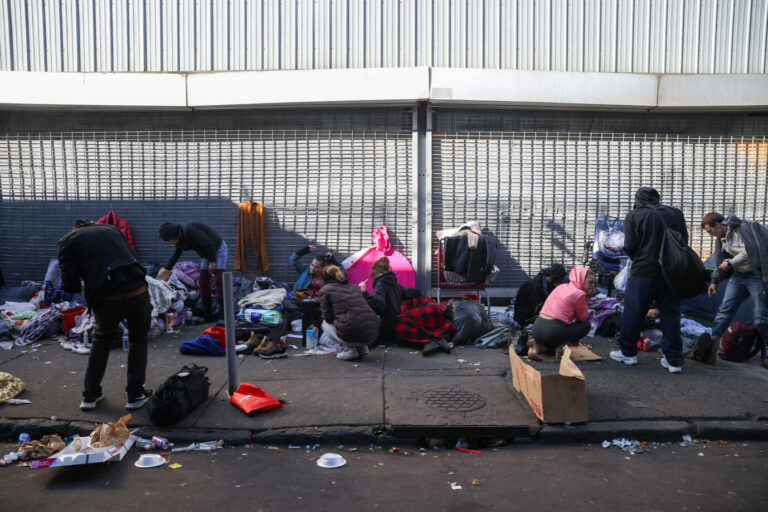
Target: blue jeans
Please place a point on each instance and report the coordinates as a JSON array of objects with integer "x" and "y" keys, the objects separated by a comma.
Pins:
[
  {"x": 221, "y": 258},
  {"x": 740, "y": 286},
  {"x": 641, "y": 291}
]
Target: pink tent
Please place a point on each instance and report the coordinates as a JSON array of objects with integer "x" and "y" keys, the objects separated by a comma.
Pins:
[{"x": 358, "y": 266}]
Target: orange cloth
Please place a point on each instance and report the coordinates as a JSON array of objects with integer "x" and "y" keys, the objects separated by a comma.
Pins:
[{"x": 251, "y": 222}]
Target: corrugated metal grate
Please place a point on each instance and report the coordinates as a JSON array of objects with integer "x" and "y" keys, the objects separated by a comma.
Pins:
[
  {"x": 327, "y": 187},
  {"x": 540, "y": 192}
]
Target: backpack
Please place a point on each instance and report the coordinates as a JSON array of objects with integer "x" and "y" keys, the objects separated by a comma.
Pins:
[
  {"x": 741, "y": 342},
  {"x": 179, "y": 395},
  {"x": 681, "y": 267}
]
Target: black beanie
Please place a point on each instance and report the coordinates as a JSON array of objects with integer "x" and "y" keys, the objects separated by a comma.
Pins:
[{"x": 170, "y": 231}]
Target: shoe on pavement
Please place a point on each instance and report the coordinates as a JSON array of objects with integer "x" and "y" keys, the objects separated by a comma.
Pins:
[
  {"x": 348, "y": 355},
  {"x": 672, "y": 369},
  {"x": 430, "y": 348},
  {"x": 278, "y": 351},
  {"x": 81, "y": 349},
  {"x": 137, "y": 402},
  {"x": 617, "y": 355},
  {"x": 67, "y": 345},
  {"x": 363, "y": 350},
  {"x": 265, "y": 346},
  {"x": 89, "y": 404},
  {"x": 444, "y": 346},
  {"x": 705, "y": 349}
]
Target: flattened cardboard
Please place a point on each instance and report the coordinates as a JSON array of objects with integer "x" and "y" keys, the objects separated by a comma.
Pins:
[
  {"x": 87, "y": 455},
  {"x": 556, "y": 398},
  {"x": 578, "y": 353}
]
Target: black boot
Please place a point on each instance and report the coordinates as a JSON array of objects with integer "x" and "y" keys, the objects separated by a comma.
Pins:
[
  {"x": 207, "y": 309},
  {"x": 220, "y": 315}
]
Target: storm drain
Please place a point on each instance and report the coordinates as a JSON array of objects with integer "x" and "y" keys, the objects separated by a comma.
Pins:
[{"x": 453, "y": 400}]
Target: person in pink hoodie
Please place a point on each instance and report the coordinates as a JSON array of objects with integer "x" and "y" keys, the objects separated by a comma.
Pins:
[{"x": 563, "y": 318}]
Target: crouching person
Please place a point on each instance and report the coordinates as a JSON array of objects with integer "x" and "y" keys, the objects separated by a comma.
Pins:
[
  {"x": 115, "y": 290},
  {"x": 348, "y": 320},
  {"x": 563, "y": 318},
  {"x": 387, "y": 297}
]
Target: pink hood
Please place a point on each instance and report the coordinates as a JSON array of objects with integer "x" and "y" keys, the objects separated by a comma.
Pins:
[{"x": 577, "y": 276}]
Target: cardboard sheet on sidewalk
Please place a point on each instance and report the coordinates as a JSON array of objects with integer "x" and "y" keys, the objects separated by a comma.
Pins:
[
  {"x": 556, "y": 398},
  {"x": 71, "y": 456},
  {"x": 578, "y": 353}
]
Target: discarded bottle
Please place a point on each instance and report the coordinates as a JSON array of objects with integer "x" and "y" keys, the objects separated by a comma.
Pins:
[
  {"x": 144, "y": 444},
  {"x": 312, "y": 338},
  {"x": 161, "y": 442}
]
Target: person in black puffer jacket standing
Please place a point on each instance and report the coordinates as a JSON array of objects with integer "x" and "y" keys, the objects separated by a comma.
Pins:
[
  {"x": 348, "y": 320},
  {"x": 387, "y": 297}
]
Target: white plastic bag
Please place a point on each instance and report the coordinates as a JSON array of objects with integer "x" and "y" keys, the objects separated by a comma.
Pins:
[{"x": 620, "y": 281}]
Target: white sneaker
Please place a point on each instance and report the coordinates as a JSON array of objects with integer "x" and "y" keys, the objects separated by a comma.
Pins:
[
  {"x": 81, "y": 349},
  {"x": 348, "y": 354},
  {"x": 672, "y": 369},
  {"x": 617, "y": 355},
  {"x": 67, "y": 345}
]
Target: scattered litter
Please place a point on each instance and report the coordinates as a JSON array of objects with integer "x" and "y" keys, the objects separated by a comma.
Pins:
[
  {"x": 461, "y": 361},
  {"x": 475, "y": 482},
  {"x": 149, "y": 460},
  {"x": 687, "y": 441},
  {"x": 352, "y": 450},
  {"x": 467, "y": 450},
  {"x": 17, "y": 401},
  {"x": 175, "y": 465},
  {"x": 294, "y": 347},
  {"x": 476, "y": 364},
  {"x": 6, "y": 345},
  {"x": 331, "y": 460},
  {"x": 315, "y": 446},
  {"x": 293, "y": 447},
  {"x": 48, "y": 362},
  {"x": 206, "y": 446},
  {"x": 455, "y": 486},
  {"x": 340, "y": 447},
  {"x": 275, "y": 448},
  {"x": 606, "y": 444},
  {"x": 701, "y": 454},
  {"x": 54, "y": 418}
]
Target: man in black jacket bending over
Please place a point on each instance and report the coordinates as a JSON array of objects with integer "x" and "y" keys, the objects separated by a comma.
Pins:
[
  {"x": 643, "y": 235},
  {"x": 196, "y": 236},
  {"x": 115, "y": 289}
]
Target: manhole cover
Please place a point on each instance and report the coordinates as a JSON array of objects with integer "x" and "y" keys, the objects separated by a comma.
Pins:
[{"x": 453, "y": 400}]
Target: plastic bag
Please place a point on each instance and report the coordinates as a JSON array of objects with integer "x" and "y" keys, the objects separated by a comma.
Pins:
[
  {"x": 471, "y": 321},
  {"x": 609, "y": 237},
  {"x": 620, "y": 281},
  {"x": 111, "y": 434}
]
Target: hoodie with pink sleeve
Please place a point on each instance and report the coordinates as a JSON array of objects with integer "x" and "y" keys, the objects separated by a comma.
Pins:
[{"x": 568, "y": 302}]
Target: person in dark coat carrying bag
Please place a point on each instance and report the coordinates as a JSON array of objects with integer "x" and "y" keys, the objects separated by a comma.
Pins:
[
  {"x": 644, "y": 228},
  {"x": 115, "y": 289},
  {"x": 387, "y": 297},
  {"x": 348, "y": 320}
]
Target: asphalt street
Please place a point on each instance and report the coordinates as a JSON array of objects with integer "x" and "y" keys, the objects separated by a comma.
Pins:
[{"x": 665, "y": 477}]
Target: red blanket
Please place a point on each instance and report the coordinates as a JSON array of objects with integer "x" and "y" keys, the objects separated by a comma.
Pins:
[{"x": 421, "y": 321}]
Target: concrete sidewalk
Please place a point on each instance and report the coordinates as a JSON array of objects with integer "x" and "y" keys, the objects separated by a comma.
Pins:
[{"x": 396, "y": 393}]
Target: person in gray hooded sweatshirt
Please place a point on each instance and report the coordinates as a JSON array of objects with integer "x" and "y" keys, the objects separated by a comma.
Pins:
[
  {"x": 643, "y": 235},
  {"x": 741, "y": 252}
]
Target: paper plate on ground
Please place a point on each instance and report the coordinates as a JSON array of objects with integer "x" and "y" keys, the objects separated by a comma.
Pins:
[
  {"x": 331, "y": 460},
  {"x": 149, "y": 460}
]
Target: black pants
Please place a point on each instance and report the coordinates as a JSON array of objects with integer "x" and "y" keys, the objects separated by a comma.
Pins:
[
  {"x": 640, "y": 293},
  {"x": 553, "y": 333},
  {"x": 137, "y": 313}
]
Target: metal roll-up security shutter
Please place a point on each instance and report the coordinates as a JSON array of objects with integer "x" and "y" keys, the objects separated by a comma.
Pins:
[
  {"x": 539, "y": 180},
  {"x": 326, "y": 177}
]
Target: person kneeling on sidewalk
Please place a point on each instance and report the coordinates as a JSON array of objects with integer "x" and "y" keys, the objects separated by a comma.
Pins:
[
  {"x": 563, "y": 318},
  {"x": 348, "y": 320},
  {"x": 115, "y": 289}
]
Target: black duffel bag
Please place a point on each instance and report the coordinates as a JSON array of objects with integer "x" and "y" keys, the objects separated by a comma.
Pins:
[{"x": 179, "y": 395}]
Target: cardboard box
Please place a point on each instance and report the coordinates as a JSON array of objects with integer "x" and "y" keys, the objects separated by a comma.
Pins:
[
  {"x": 87, "y": 455},
  {"x": 556, "y": 398}
]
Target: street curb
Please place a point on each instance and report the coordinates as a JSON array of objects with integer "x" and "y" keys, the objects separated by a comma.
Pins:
[
  {"x": 601, "y": 430},
  {"x": 732, "y": 430},
  {"x": 645, "y": 430}
]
